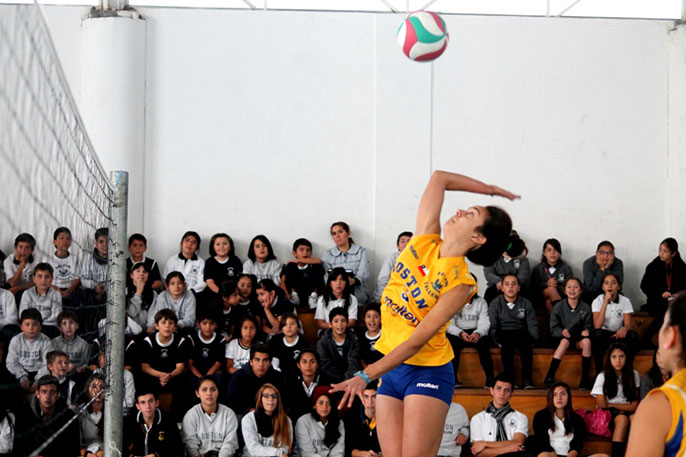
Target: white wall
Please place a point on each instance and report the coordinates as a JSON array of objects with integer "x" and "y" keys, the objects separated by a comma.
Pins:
[{"x": 283, "y": 122}]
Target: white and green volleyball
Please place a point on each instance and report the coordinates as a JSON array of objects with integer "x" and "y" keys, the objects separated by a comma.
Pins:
[{"x": 423, "y": 36}]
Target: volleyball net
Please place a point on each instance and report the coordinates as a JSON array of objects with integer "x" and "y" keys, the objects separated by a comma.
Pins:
[{"x": 50, "y": 177}]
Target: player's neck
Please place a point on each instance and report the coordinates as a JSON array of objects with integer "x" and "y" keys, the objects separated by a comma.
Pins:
[{"x": 451, "y": 248}]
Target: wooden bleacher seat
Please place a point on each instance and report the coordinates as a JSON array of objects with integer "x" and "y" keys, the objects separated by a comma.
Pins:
[{"x": 529, "y": 402}]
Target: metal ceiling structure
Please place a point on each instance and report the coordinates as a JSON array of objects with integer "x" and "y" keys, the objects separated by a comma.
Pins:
[{"x": 653, "y": 9}]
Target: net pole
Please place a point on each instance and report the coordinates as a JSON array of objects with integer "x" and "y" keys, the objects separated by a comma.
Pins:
[{"x": 116, "y": 317}]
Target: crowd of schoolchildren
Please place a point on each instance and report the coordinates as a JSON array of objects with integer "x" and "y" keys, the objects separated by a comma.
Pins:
[{"x": 217, "y": 363}]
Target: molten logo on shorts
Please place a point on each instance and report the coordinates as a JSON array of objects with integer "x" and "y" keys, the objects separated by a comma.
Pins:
[{"x": 427, "y": 385}]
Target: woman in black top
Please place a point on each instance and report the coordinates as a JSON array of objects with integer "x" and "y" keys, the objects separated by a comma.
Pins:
[
  {"x": 558, "y": 430},
  {"x": 663, "y": 278}
]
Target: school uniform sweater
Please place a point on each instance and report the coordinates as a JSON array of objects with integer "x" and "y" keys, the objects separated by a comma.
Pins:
[
  {"x": 26, "y": 356},
  {"x": 543, "y": 272},
  {"x": 309, "y": 437},
  {"x": 192, "y": 269},
  {"x": 183, "y": 307},
  {"x": 271, "y": 269},
  {"x": 93, "y": 272},
  {"x": 49, "y": 305},
  {"x": 257, "y": 445},
  {"x": 593, "y": 276},
  {"x": 202, "y": 432},
  {"x": 456, "y": 422},
  {"x": 385, "y": 274},
  {"x": 521, "y": 317},
  {"x": 162, "y": 438},
  {"x": 575, "y": 320},
  {"x": 338, "y": 361},
  {"x": 11, "y": 268},
  {"x": 138, "y": 310},
  {"x": 473, "y": 316},
  {"x": 519, "y": 267},
  {"x": 8, "y": 308},
  {"x": 78, "y": 350}
]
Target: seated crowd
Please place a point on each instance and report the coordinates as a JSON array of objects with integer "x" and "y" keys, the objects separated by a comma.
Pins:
[{"x": 217, "y": 363}]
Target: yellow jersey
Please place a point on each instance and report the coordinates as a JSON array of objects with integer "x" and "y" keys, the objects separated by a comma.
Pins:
[
  {"x": 674, "y": 389},
  {"x": 418, "y": 279}
]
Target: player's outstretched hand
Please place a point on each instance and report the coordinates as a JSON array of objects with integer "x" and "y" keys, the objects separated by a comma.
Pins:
[
  {"x": 505, "y": 193},
  {"x": 350, "y": 388}
]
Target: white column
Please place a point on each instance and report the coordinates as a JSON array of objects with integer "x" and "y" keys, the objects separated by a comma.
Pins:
[
  {"x": 676, "y": 164},
  {"x": 113, "y": 97}
]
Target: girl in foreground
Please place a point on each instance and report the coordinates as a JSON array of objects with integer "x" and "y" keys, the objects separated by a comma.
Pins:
[
  {"x": 657, "y": 428},
  {"x": 430, "y": 283}
]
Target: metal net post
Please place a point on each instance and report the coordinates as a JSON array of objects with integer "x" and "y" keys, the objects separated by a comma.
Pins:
[{"x": 116, "y": 317}]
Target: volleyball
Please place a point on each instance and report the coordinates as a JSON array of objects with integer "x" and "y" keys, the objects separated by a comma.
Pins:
[{"x": 423, "y": 36}]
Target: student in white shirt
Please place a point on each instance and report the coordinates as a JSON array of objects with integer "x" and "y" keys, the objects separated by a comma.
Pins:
[
  {"x": 616, "y": 390},
  {"x": 611, "y": 320},
  {"x": 499, "y": 429}
]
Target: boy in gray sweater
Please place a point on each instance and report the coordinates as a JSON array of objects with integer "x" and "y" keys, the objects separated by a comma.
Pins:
[
  {"x": 514, "y": 326},
  {"x": 27, "y": 351}
]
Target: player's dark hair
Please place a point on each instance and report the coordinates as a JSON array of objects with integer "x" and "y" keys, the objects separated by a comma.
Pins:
[
  {"x": 59, "y": 231},
  {"x": 676, "y": 316},
  {"x": 496, "y": 229},
  {"x": 345, "y": 227},
  {"x": 301, "y": 242},
  {"x": 221, "y": 235},
  {"x": 516, "y": 246},
  {"x": 138, "y": 237},
  {"x": 265, "y": 240}
]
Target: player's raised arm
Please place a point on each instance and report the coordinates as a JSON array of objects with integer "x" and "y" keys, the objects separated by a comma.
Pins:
[{"x": 429, "y": 211}]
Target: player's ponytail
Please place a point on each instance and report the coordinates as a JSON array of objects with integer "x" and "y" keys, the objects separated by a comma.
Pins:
[{"x": 496, "y": 229}]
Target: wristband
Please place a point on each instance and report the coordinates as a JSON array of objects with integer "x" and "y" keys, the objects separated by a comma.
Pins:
[{"x": 363, "y": 375}]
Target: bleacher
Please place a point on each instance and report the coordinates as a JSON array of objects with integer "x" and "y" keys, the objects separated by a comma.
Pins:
[{"x": 474, "y": 398}]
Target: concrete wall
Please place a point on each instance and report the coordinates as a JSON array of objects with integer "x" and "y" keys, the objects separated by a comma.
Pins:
[{"x": 283, "y": 122}]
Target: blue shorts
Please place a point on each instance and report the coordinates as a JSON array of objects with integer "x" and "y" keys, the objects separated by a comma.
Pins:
[{"x": 437, "y": 382}]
